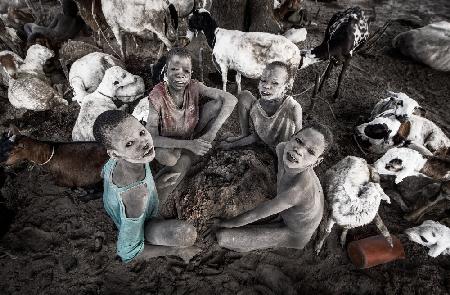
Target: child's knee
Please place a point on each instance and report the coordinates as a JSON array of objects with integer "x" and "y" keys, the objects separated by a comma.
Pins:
[
  {"x": 167, "y": 157},
  {"x": 222, "y": 238},
  {"x": 245, "y": 99},
  {"x": 185, "y": 234}
]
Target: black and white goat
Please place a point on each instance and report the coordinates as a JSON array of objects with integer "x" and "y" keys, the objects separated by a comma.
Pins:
[
  {"x": 347, "y": 31},
  {"x": 247, "y": 53}
]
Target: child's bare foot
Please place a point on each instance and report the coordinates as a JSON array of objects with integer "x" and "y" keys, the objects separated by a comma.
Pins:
[{"x": 188, "y": 253}]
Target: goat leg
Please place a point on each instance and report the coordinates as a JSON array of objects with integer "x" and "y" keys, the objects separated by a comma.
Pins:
[
  {"x": 383, "y": 229},
  {"x": 324, "y": 235},
  {"x": 417, "y": 214},
  {"x": 341, "y": 76},
  {"x": 344, "y": 236},
  {"x": 326, "y": 75}
]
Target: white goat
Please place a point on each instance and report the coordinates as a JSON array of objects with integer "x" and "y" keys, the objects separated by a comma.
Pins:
[
  {"x": 247, "y": 53},
  {"x": 433, "y": 235},
  {"x": 429, "y": 45},
  {"x": 141, "y": 111},
  {"x": 29, "y": 88},
  {"x": 87, "y": 72},
  {"x": 398, "y": 104},
  {"x": 142, "y": 18},
  {"x": 383, "y": 133},
  {"x": 353, "y": 198},
  {"x": 99, "y": 101},
  {"x": 405, "y": 162}
]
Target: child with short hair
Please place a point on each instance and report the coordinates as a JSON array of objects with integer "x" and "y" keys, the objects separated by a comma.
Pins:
[
  {"x": 275, "y": 115},
  {"x": 130, "y": 197},
  {"x": 181, "y": 127},
  {"x": 299, "y": 199}
]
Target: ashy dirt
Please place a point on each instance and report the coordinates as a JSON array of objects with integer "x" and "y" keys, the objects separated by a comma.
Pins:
[{"x": 57, "y": 241}]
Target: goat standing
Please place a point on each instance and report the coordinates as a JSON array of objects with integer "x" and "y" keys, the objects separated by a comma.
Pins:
[{"x": 346, "y": 32}]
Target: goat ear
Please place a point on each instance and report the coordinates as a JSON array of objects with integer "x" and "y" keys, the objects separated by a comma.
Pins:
[
  {"x": 392, "y": 93},
  {"x": 13, "y": 130},
  {"x": 107, "y": 62},
  {"x": 420, "y": 111},
  {"x": 173, "y": 16}
]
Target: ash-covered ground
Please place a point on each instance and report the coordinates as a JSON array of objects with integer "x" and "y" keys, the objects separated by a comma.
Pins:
[{"x": 56, "y": 242}]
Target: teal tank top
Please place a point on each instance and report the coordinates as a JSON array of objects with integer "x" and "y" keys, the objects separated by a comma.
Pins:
[{"x": 130, "y": 242}]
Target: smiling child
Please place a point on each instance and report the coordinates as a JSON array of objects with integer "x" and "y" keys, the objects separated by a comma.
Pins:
[
  {"x": 299, "y": 199},
  {"x": 275, "y": 115}
]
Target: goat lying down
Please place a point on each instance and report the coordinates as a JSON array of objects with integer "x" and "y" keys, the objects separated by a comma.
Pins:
[
  {"x": 87, "y": 72},
  {"x": 247, "y": 53},
  {"x": 398, "y": 104},
  {"x": 29, "y": 88},
  {"x": 101, "y": 100},
  {"x": 433, "y": 235},
  {"x": 405, "y": 162},
  {"x": 417, "y": 132},
  {"x": 73, "y": 164},
  {"x": 354, "y": 198}
]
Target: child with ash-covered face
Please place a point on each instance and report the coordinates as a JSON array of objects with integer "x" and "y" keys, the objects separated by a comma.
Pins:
[
  {"x": 299, "y": 199},
  {"x": 275, "y": 115},
  {"x": 180, "y": 127},
  {"x": 130, "y": 197}
]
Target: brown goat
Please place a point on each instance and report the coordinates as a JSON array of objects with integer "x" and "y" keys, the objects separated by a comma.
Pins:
[{"x": 73, "y": 164}]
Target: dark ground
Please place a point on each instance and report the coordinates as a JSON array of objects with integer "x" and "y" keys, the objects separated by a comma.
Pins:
[{"x": 57, "y": 244}]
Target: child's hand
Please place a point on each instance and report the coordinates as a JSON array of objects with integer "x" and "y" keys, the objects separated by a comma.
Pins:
[
  {"x": 210, "y": 233},
  {"x": 208, "y": 137},
  {"x": 198, "y": 146},
  {"x": 169, "y": 179}
]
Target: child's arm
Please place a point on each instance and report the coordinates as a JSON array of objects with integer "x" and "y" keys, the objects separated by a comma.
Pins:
[
  {"x": 281, "y": 203},
  {"x": 247, "y": 140},
  {"x": 228, "y": 100},
  {"x": 197, "y": 146},
  {"x": 298, "y": 118}
]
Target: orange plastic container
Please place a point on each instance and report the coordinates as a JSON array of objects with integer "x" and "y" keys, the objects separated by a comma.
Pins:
[{"x": 374, "y": 250}]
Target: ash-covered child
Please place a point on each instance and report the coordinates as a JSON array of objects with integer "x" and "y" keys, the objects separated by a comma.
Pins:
[
  {"x": 130, "y": 197},
  {"x": 275, "y": 116},
  {"x": 181, "y": 126},
  {"x": 299, "y": 199}
]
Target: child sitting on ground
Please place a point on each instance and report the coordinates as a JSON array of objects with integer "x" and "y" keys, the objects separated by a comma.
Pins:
[
  {"x": 130, "y": 197},
  {"x": 299, "y": 199},
  {"x": 180, "y": 126},
  {"x": 275, "y": 116}
]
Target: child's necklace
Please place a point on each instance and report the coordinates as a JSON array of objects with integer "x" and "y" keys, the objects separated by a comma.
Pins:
[{"x": 178, "y": 100}]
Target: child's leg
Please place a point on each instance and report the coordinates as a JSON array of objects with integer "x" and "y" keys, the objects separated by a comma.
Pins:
[
  {"x": 164, "y": 185},
  {"x": 255, "y": 237},
  {"x": 170, "y": 237},
  {"x": 245, "y": 102},
  {"x": 208, "y": 112},
  {"x": 167, "y": 157}
]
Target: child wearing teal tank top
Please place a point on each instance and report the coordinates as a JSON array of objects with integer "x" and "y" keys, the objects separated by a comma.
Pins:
[
  {"x": 130, "y": 242},
  {"x": 130, "y": 196}
]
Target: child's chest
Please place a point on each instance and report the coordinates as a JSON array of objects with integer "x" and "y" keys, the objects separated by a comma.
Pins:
[{"x": 135, "y": 200}]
